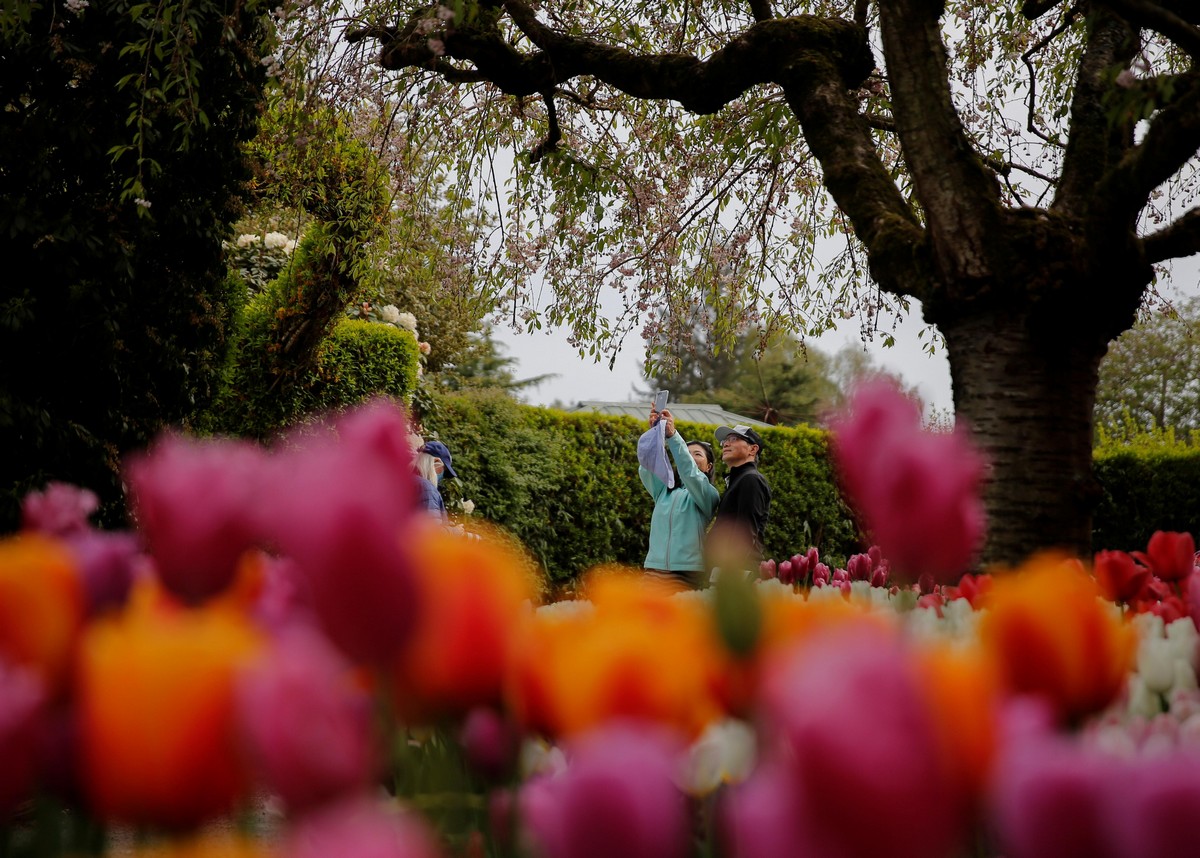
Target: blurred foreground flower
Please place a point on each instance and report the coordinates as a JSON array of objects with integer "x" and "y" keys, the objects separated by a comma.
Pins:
[
  {"x": 473, "y": 594},
  {"x": 617, "y": 797},
  {"x": 1055, "y": 638},
  {"x": 41, "y": 606},
  {"x": 307, "y": 721},
  {"x": 193, "y": 501},
  {"x": 22, "y": 701},
  {"x": 917, "y": 491},
  {"x": 156, "y": 714},
  {"x": 362, "y": 828},
  {"x": 337, "y": 503}
]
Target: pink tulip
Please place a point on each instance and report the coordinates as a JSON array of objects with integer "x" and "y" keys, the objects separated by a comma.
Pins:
[
  {"x": 917, "y": 491},
  {"x": 820, "y": 575},
  {"x": 859, "y": 567},
  {"x": 193, "y": 501},
  {"x": 850, "y": 714},
  {"x": 362, "y": 828},
  {"x": 766, "y": 569},
  {"x": 60, "y": 509},
  {"x": 339, "y": 504},
  {"x": 108, "y": 564},
  {"x": 1171, "y": 555},
  {"x": 759, "y": 818},
  {"x": 22, "y": 698},
  {"x": 306, "y": 724},
  {"x": 787, "y": 572},
  {"x": 1159, "y": 805},
  {"x": 617, "y": 797}
]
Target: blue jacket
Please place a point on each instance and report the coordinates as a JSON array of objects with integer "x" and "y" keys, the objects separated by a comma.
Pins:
[
  {"x": 431, "y": 498},
  {"x": 681, "y": 515}
]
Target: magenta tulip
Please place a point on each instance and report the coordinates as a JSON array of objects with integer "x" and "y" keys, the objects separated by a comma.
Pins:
[
  {"x": 22, "y": 698},
  {"x": 362, "y": 828},
  {"x": 848, "y": 710},
  {"x": 617, "y": 797},
  {"x": 339, "y": 504},
  {"x": 1158, "y": 807},
  {"x": 762, "y": 817},
  {"x": 194, "y": 502},
  {"x": 918, "y": 491},
  {"x": 307, "y": 725},
  {"x": 60, "y": 509}
]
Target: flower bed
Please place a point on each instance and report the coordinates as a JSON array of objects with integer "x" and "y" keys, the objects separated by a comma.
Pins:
[{"x": 288, "y": 622}]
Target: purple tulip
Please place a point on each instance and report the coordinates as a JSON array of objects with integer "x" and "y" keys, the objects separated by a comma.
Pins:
[
  {"x": 362, "y": 828},
  {"x": 108, "y": 563},
  {"x": 22, "y": 698},
  {"x": 617, "y": 797},
  {"x": 306, "y": 723},
  {"x": 194, "y": 502},
  {"x": 338, "y": 504}
]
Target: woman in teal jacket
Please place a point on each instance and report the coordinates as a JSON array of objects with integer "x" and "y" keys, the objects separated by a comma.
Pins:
[{"x": 681, "y": 514}]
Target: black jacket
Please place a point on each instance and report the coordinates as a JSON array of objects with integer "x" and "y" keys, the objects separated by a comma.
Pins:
[{"x": 746, "y": 503}]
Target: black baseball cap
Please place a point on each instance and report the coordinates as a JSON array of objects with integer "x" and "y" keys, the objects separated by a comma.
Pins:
[{"x": 742, "y": 432}]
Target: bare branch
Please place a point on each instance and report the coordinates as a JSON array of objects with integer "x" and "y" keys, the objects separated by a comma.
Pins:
[
  {"x": 1152, "y": 16},
  {"x": 1034, "y": 9},
  {"x": 1027, "y": 58},
  {"x": 1180, "y": 239},
  {"x": 860, "y": 12}
]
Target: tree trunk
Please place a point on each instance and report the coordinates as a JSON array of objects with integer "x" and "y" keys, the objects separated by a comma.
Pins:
[{"x": 1026, "y": 394}]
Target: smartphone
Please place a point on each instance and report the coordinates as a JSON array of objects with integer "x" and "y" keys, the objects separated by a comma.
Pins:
[{"x": 660, "y": 400}]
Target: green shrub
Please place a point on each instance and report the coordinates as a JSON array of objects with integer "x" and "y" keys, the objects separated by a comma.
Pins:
[{"x": 1145, "y": 491}]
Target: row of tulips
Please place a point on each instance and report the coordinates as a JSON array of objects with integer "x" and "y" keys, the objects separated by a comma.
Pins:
[{"x": 288, "y": 623}]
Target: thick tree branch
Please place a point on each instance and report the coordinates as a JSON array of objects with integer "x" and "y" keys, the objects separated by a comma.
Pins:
[
  {"x": 1097, "y": 138},
  {"x": 1153, "y": 16},
  {"x": 1180, "y": 239},
  {"x": 1034, "y": 9},
  {"x": 761, "y": 10},
  {"x": 960, "y": 197},
  {"x": 1172, "y": 139}
]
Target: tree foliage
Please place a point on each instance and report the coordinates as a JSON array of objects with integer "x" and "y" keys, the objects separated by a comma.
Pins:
[
  {"x": 1152, "y": 373},
  {"x": 1019, "y": 168},
  {"x": 121, "y": 171}
]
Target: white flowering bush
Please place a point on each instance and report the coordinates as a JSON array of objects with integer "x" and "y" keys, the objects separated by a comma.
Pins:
[{"x": 259, "y": 259}]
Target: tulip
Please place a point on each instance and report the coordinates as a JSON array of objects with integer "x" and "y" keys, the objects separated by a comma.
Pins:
[
  {"x": 60, "y": 509},
  {"x": 639, "y": 654},
  {"x": 361, "y": 828},
  {"x": 820, "y": 575},
  {"x": 1053, "y": 637},
  {"x": 617, "y": 797},
  {"x": 1049, "y": 801},
  {"x": 917, "y": 491},
  {"x": 473, "y": 594},
  {"x": 194, "y": 503},
  {"x": 22, "y": 700},
  {"x": 859, "y": 567},
  {"x": 787, "y": 572},
  {"x": 1120, "y": 577},
  {"x": 156, "y": 703},
  {"x": 759, "y": 819},
  {"x": 1171, "y": 555},
  {"x": 1160, "y": 804},
  {"x": 767, "y": 569},
  {"x": 861, "y": 728},
  {"x": 338, "y": 503},
  {"x": 41, "y": 606},
  {"x": 490, "y": 743},
  {"x": 307, "y": 724},
  {"x": 107, "y": 563}
]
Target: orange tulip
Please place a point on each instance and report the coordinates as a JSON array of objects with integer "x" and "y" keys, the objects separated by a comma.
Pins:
[
  {"x": 473, "y": 594},
  {"x": 962, "y": 689},
  {"x": 41, "y": 605},
  {"x": 156, "y": 713},
  {"x": 1054, "y": 637},
  {"x": 637, "y": 654}
]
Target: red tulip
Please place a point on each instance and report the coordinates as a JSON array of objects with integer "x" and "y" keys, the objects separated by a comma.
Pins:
[
  {"x": 22, "y": 698},
  {"x": 1171, "y": 555},
  {"x": 1120, "y": 577}
]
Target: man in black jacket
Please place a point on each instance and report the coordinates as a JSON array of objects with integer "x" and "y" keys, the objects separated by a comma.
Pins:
[{"x": 745, "y": 506}]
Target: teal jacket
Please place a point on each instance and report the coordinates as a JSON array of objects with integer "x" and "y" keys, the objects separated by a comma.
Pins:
[{"x": 681, "y": 515}]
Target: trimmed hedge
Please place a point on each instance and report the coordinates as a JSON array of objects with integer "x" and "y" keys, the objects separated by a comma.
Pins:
[
  {"x": 567, "y": 484},
  {"x": 1146, "y": 491}
]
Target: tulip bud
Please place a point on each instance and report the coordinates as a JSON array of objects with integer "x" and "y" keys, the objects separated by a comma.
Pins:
[
  {"x": 766, "y": 569},
  {"x": 786, "y": 572}
]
